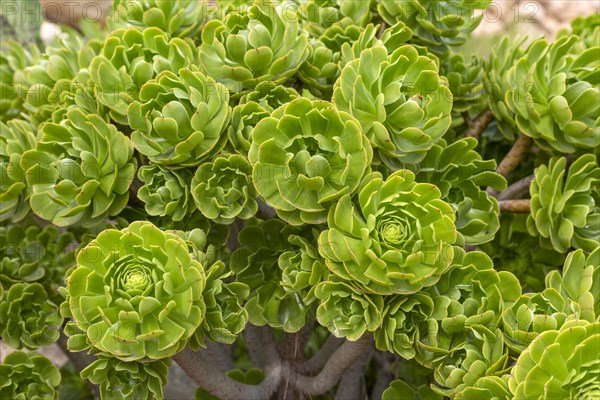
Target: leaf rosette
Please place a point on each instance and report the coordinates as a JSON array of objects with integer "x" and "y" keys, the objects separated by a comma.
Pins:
[
  {"x": 560, "y": 363},
  {"x": 347, "y": 312},
  {"x": 398, "y": 239},
  {"x": 80, "y": 170},
  {"x": 130, "y": 58},
  {"x": 179, "y": 18},
  {"x": 166, "y": 192},
  {"x": 564, "y": 209},
  {"x": 28, "y": 376},
  {"x": 223, "y": 189},
  {"x": 128, "y": 380},
  {"x": 255, "y": 264},
  {"x": 399, "y": 99},
  {"x": 27, "y": 317},
  {"x": 17, "y": 137},
  {"x": 435, "y": 24},
  {"x": 180, "y": 119},
  {"x": 305, "y": 156},
  {"x": 263, "y": 43},
  {"x": 136, "y": 294}
]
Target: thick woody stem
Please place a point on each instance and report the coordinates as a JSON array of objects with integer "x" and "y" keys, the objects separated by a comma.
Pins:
[
  {"x": 260, "y": 341},
  {"x": 514, "y": 157},
  {"x": 335, "y": 367},
  {"x": 516, "y": 190},
  {"x": 479, "y": 124},
  {"x": 512, "y": 160},
  {"x": 318, "y": 361},
  {"x": 199, "y": 365},
  {"x": 515, "y": 206},
  {"x": 351, "y": 385},
  {"x": 80, "y": 361}
]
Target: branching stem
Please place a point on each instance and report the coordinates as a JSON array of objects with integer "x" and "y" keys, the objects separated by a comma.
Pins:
[
  {"x": 515, "y": 206},
  {"x": 479, "y": 124}
]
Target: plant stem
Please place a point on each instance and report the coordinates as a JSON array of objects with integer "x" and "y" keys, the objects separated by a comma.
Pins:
[
  {"x": 351, "y": 385},
  {"x": 80, "y": 360},
  {"x": 515, "y": 155},
  {"x": 511, "y": 161},
  {"x": 382, "y": 29},
  {"x": 479, "y": 124},
  {"x": 260, "y": 342},
  {"x": 517, "y": 189},
  {"x": 318, "y": 361},
  {"x": 515, "y": 206}
]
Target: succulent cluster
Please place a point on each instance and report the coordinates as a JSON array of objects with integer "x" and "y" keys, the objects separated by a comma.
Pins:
[{"x": 290, "y": 195}]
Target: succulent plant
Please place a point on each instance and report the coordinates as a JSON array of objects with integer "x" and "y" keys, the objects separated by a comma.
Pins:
[
  {"x": 35, "y": 254},
  {"x": 14, "y": 58},
  {"x": 80, "y": 170},
  {"x": 564, "y": 211},
  {"x": 302, "y": 268},
  {"x": 305, "y": 156},
  {"x": 468, "y": 302},
  {"x": 586, "y": 28},
  {"x": 465, "y": 81},
  {"x": 252, "y": 108},
  {"x": 128, "y": 380},
  {"x": 399, "y": 389},
  {"x": 166, "y": 192},
  {"x": 345, "y": 311},
  {"x": 403, "y": 317},
  {"x": 181, "y": 118},
  {"x": 398, "y": 99},
  {"x": 435, "y": 24},
  {"x": 225, "y": 315},
  {"x": 179, "y": 18},
  {"x": 578, "y": 284},
  {"x": 136, "y": 294},
  {"x": 258, "y": 45},
  {"x": 255, "y": 264},
  {"x": 319, "y": 15},
  {"x": 560, "y": 363},
  {"x": 223, "y": 189},
  {"x": 27, "y": 317},
  {"x": 515, "y": 250},
  {"x": 483, "y": 356},
  {"x": 487, "y": 387},
  {"x": 26, "y": 376},
  {"x": 17, "y": 137},
  {"x": 130, "y": 58},
  {"x": 398, "y": 239},
  {"x": 460, "y": 172},
  {"x": 548, "y": 94}
]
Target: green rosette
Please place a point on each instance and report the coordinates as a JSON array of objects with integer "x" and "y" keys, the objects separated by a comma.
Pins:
[
  {"x": 255, "y": 265},
  {"x": 166, "y": 192},
  {"x": 179, "y": 18},
  {"x": 223, "y": 189},
  {"x": 80, "y": 170},
  {"x": 33, "y": 254},
  {"x": 398, "y": 238},
  {"x": 560, "y": 363},
  {"x": 16, "y": 138},
  {"x": 549, "y": 94},
  {"x": 305, "y": 156},
  {"x": 264, "y": 43},
  {"x": 130, "y": 58},
  {"x": 27, "y": 317},
  {"x": 128, "y": 380},
  {"x": 399, "y": 99},
  {"x": 347, "y": 312},
  {"x": 136, "y": 294},
  {"x": 403, "y": 316},
  {"x": 564, "y": 204},
  {"x": 180, "y": 119},
  {"x": 28, "y": 376},
  {"x": 435, "y": 24}
]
